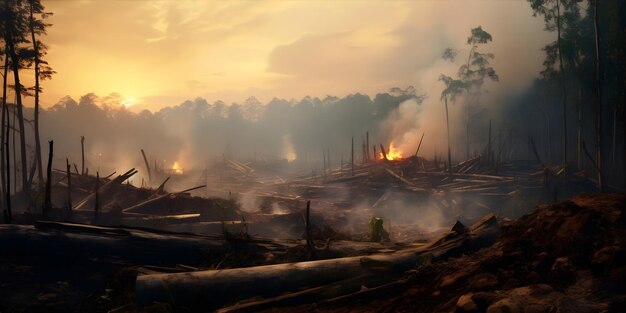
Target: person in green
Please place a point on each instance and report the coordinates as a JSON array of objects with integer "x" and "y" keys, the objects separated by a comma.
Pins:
[{"x": 378, "y": 233}]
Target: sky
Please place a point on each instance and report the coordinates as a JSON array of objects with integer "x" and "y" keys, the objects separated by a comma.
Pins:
[{"x": 160, "y": 53}]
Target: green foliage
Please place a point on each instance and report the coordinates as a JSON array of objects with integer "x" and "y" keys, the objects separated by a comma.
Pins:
[{"x": 472, "y": 75}]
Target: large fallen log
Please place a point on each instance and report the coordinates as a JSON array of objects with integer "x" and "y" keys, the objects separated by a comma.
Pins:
[{"x": 209, "y": 290}]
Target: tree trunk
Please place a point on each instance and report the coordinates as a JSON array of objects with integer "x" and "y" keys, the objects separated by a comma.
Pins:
[
  {"x": 580, "y": 128},
  {"x": 599, "y": 163},
  {"x": 4, "y": 171},
  {"x": 352, "y": 156},
  {"x": 8, "y": 215},
  {"x": 564, "y": 91},
  {"x": 69, "y": 185},
  {"x": 37, "y": 139},
  {"x": 445, "y": 99},
  {"x": 82, "y": 155},
  {"x": 47, "y": 207},
  {"x": 20, "y": 116}
]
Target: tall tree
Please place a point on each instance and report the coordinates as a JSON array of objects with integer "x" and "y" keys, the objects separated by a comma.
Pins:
[
  {"x": 471, "y": 76},
  {"x": 37, "y": 27}
]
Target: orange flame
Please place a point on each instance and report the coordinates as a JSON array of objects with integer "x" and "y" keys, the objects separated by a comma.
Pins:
[
  {"x": 393, "y": 153},
  {"x": 176, "y": 168}
]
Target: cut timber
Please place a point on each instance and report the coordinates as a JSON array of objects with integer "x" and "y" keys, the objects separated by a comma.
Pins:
[
  {"x": 213, "y": 289},
  {"x": 400, "y": 178},
  {"x": 104, "y": 189}
]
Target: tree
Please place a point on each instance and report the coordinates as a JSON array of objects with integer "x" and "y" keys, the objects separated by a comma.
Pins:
[
  {"x": 37, "y": 27},
  {"x": 471, "y": 76}
]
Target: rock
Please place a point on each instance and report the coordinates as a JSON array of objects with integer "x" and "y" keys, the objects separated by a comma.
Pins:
[
  {"x": 483, "y": 281},
  {"x": 603, "y": 259},
  {"x": 466, "y": 304},
  {"x": 506, "y": 305},
  {"x": 484, "y": 299}
]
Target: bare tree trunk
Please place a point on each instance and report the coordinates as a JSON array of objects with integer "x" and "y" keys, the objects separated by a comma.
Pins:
[
  {"x": 37, "y": 139},
  {"x": 352, "y": 156},
  {"x": 20, "y": 116},
  {"x": 148, "y": 165},
  {"x": 614, "y": 139},
  {"x": 580, "y": 128},
  {"x": 82, "y": 155},
  {"x": 599, "y": 163},
  {"x": 69, "y": 185},
  {"x": 4, "y": 171},
  {"x": 8, "y": 214},
  {"x": 367, "y": 145},
  {"x": 467, "y": 139},
  {"x": 445, "y": 99},
  {"x": 96, "y": 207},
  {"x": 47, "y": 206},
  {"x": 564, "y": 91},
  {"x": 14, "y": 153},
  {"x": 489, "y": 144}
]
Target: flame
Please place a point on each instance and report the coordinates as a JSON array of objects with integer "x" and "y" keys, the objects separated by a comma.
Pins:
[
  {"x": 176, "y": 168},
  {"x": 393, "y": 153}
]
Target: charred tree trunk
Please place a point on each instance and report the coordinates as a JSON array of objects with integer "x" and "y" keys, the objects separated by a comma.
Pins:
[
  {"x": 367, "y": 145},
  {"x": 69, "y": 185},
  {"x": 352, "y": 156},
  {"x": 47, "y": 206},
  {"x": 580, "y": 128},
  {"x": 564, "y": 92},
  {"x": 445, "y": 99},
  {"x": 489, "y": 144},
  {"x": 4, "y": 171},
  {"x": 599, "y": 163},
  {"x": 310, "y": 247},
  {"x": 96, "y": 206},
  {"x": 8, "y": 213},
  {"x": 145, "y": 159},
  {"x": 82, "y": 155}
]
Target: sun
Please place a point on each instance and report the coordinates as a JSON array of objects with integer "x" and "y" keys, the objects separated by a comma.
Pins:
[{"x": 128, "y": 102}]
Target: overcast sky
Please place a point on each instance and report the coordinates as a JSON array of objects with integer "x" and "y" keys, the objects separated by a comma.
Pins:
[{"x": 158, "y": 53}]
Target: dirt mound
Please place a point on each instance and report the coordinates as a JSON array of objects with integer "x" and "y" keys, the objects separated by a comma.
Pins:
[{"x": 567, "y": 257}]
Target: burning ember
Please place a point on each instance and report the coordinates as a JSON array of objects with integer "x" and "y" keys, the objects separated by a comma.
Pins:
[
  {"x": 176, "y": 168},
  {"x": 393, "y": 153}
]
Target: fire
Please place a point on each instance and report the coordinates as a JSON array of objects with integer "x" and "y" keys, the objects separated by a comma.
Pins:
[
  {"x": 393, "y": 153},
  {"x": 176, "y": 168}
]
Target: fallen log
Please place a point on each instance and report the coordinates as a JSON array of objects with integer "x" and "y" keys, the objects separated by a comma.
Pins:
[{"x": 209, "y": 290}]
